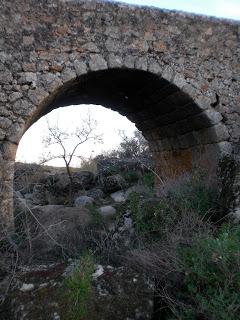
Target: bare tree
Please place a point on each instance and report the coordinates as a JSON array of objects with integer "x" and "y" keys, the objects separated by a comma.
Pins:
[{"x": 65, "y": 144}]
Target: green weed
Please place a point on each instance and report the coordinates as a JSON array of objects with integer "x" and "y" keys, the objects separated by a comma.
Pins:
[
  {"x": 97, "y": 220},
  {"x": 77, "y": 289},
  {"x": 149, "y": 179},
  {"x": 131, "y": 176}
]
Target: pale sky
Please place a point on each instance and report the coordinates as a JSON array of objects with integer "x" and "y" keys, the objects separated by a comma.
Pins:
[
  {"x": 31, "y": 147},
  {"x": 220, "y": 8},
  {"x": 109, "y": 122}
]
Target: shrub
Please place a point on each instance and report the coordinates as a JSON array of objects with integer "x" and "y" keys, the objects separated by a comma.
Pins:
[
  {"x": 211, "y": 268},
  {"x": 188, "y": 194},
  {"x": 131, "y": 176},
  {"x": 177, "y": 257},
  {"x": 97, "y": 220},
  {"x": 77, "y": 289},
  {"x": 144, "y": 212}
]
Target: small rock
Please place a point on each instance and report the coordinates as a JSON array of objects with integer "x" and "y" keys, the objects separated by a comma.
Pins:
[
  {"x": 71, "y": 268},
  {"x": 118, "y": 196},
  {"x": 107, "y": 211},
  {"x": 56, "y": 316},
  {"x": 99, "y": 271},
  {"x": 27, "y": 287},
  {"x": 82, "y": 201}
]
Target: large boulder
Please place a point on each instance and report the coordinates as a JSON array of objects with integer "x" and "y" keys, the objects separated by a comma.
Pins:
[
  {"x": 83, "y": 180},
  {"x": 57, "y": 188},
  {"x": 56, "y": 228},
  {"x": 49, "y": 215},
  {"x": 113, "y": 183},
  {"x": 96, "y": 193},
  {"x": 58, "y": 185}
]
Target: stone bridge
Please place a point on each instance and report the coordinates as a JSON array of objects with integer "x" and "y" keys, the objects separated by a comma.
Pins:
[{"x": 175, "y": 75}]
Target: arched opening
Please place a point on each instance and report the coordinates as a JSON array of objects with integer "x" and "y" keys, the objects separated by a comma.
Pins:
[{"x": 181, "y": 134}]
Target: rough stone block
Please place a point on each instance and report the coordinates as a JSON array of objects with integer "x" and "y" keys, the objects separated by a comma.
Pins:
[
  {"x": 97, "y": 62},
  {"x": 80, "y": 67}
]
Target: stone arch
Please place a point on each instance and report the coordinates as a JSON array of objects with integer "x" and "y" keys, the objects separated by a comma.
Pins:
[{"x": 181, "y": 132}]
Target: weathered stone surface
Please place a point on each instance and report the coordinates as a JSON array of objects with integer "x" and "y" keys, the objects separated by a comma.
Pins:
[{"x": 181, "y": 90}]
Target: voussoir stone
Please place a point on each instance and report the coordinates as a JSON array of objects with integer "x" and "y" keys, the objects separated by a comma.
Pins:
[
  {"x": 97, "y": 62},
  {"x": 80, "y": 67}
]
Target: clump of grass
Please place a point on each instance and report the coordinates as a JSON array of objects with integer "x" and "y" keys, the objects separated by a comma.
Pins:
[
  {"x": 97, "y": 220},
  {"x": 149, "y": 179},
  {"x": 78, "y": 290}
]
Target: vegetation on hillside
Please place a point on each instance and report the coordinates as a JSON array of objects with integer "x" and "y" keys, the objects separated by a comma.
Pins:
[{"x": 191, "y": 257}]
